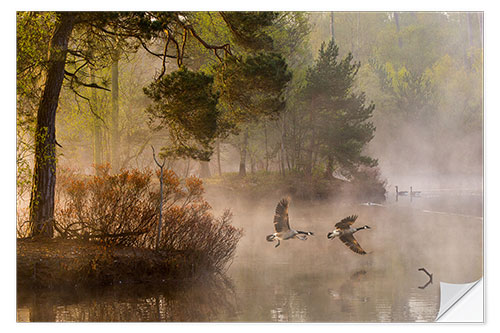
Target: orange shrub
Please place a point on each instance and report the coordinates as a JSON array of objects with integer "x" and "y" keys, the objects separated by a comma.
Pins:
[{"x": 122, "y": 209}]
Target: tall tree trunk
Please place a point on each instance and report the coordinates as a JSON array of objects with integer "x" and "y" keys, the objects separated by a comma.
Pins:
[
  {"x": 396, "y": 19},
  {"x": 358, "y": 22},
  {"x": 96, "y": 131},
  {"x": 329, "y": 169},
  {"x": 296, "y": 161},
  {"x": 219, "y": 168},
  {"x": 309, "y": 188},
  {"x": 311, "y": 148},
  {"x": 480, "y": 21},
  {"x": 115, "y": 135},
  {"x": 469, "y": 29},
  {"x": 187, "y": 168},
  {"x": 465, "y": 45},
  {"x": 267, "y": 149},
  {"x": 332, "y": 25},
  {"x": 282, "y": 148},
  {"x": 204, "y": 170},
  {"x": 44, "y": 174},
  {"x": 106, "y": 144},
  {"x": 243, "y": 153}
]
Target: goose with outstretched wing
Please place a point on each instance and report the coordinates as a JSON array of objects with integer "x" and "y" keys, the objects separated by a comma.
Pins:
[
  {"x": 282, "y": 225},
  {"x": 345, "y": 231}
]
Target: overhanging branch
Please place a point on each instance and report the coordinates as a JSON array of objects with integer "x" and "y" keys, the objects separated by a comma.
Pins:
[{"x": 74, "y": 78}]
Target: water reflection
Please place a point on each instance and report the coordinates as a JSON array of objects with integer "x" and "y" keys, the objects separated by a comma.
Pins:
[
  {"x": 313, "y": 281},
  {"x": 202, "y": 300},
  {"x": 422, "y": 269}
]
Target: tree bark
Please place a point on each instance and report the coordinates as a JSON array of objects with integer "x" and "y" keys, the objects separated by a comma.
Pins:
[
  {"x": 329, "y": 169},
  {"x": 332, "y": 26},
  {"x": 469, "y": 30},
  {"x": 243, "y": 154},
  {"x": 219, "y": 168},
  {"x": 44, "y": 174},
  {"x": 204, "y": 169},
  {"x": 311, "y": 148},
  {"x": 465, "y": 46},
  {"x": 188, "y": 168},
  {"x": 115, "y": 135},
  {"x": 396, "y": 19},
  {"x": 267, "y": 149},
  {"x": 97, "y": 125},
  {"x": 480, "y": 22},
  {"x": 282, "y": 147}
]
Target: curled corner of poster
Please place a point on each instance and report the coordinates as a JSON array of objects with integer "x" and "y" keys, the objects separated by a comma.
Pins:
[{"x": 461, "y": 303}]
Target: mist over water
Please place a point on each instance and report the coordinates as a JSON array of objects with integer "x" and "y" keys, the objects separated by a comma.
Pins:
[
  {"x": 322, "y": 280},
  {"x": 317, "y": 280}
]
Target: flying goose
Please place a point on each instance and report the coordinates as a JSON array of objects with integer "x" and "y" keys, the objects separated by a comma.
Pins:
[
  {"x": 345, "y": 231},
  {"x": 282, "y": 225}
]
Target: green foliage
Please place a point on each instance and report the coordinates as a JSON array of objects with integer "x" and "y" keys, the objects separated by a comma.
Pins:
[
  {"x": 339, "y": 115},
  {"x": 252, "y": 87},
  {"x": 33, "y": 31},
  {"x": 328, "y": 76},
  {"x": 410, "y": 93},
  {"x": 248, "y": 28},
  {"x": 185, "y": 102},
  {"x": 290, "y": 34}
]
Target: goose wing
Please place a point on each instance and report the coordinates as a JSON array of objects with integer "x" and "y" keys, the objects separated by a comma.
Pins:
[
  {"x": 352, "y": 243},
  {"x": 281, "y": 222},
  {"x": 346, "y": 222}
]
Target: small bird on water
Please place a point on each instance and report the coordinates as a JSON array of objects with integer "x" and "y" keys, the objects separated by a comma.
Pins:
[
  {"x": 282, "y": 225},
  {"x": 345, "y": 231}
]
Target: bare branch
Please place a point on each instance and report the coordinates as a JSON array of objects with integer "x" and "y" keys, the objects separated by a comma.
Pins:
[
  {"x": 156, "y": 161},
  {"x": 89, "y": 85},
  {"x": 226, "y": 47},
  {"x": 184, "y": 39},
  {"x": 164, "y": 67},
  {"x": 179, "y": 59}
]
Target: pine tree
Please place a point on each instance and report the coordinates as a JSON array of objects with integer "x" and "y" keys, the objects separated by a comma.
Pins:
[{"x": 339, "y": 116}]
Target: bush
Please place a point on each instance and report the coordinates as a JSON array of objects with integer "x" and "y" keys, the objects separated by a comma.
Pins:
[
  {"x": 122, "y": 209},
  {"x": 368, "y": 185},
  {"x": 118, "y": 209},
  {"x": 365, "y": 185}
]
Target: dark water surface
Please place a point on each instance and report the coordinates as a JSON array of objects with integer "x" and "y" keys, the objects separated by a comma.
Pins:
[{"x": 317, "y": 280}]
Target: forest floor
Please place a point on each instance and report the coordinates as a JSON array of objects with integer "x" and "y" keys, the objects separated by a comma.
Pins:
[{"x": 57, "y": 262}]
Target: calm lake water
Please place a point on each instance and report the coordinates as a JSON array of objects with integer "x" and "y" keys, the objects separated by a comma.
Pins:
[{"x": 317, "y": 280}]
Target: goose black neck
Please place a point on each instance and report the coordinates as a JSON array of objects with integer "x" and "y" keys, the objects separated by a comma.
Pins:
[
  {"x": 303, "y": 232},
  {"x": 361, "y": 228}
]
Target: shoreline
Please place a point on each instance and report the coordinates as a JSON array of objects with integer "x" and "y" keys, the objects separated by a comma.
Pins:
[{"x": 62, "y": 263}]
